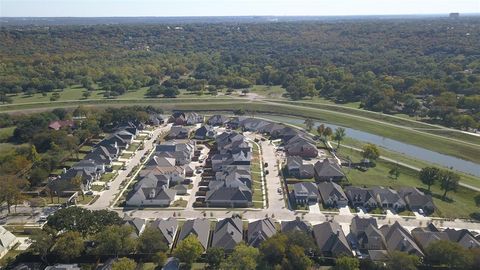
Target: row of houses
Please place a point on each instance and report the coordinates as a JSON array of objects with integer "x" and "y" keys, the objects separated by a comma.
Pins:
[
  {"x": 365, "y": 238},
  {"x": 230, "y": 161},
  {"x": 325, "y": 170},
  {"x": 332, "y": 195},
  {"x": 164, "y": 175},
  {"x": 95, "y": 163}
]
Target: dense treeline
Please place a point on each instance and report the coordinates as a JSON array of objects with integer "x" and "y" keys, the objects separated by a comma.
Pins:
[{"x": 419, "y": 67}]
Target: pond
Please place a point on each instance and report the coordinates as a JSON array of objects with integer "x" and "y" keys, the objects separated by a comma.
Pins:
[{"x": 397, "y": 146}]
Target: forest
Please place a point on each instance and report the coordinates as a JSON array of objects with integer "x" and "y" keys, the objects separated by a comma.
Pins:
[{"x": 427, "y": 68}]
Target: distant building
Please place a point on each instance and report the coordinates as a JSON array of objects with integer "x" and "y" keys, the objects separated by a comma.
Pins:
[{"x": 454, "y": 15}]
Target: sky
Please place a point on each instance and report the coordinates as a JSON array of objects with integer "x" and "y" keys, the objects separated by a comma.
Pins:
[{"x": 167, "y": 8}]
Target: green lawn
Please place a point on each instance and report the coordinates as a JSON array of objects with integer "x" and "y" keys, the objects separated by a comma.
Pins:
[
  {"x": 107, "y": 177},
  {"x": 71, "y": 93},
  {"x": 179, "y": 203},
  {"x": 274, "y": 91},
  {"x": 462, "y": 206},
  {"x": 6, "y": 133},
  {"x": 133, "y": 147}
]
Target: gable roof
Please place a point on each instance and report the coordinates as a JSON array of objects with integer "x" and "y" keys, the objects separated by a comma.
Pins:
[
  {"x": 331, "y": 239},
  {"x": 7, "y": 239},
  {"x": 228, "y": 233},
  {"x": 260, "y": 230},
  {"x": 296, "y": 225},
  {"x": 360, "y": 224},
  {"x": 199, "y": 227},
  {"x": 138, "y": 224},
  {"x": 294, "y": 162},
  {"x": 328, "y": 169},
  {"x": 305, "y": 189},
  {"x": 330, "y": 189},
  {"x": 399, "y": 239},
  {"x": 168, "y": 228}
]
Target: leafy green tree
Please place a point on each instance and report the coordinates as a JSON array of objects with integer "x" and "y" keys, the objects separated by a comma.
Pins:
[
  {"x": 188, "y": 250},
  {"x": 243, "y": 257},
  {"x": 477, "y": 200},
  {"x": 297, "y": 259},
  {"x": 273, "y": 250},
  {"x": 320, "y": 130},
  {"x": 151, "y": 241},
  {"x": 394, "y": 172},
  {"x": 339, "y": 135},
  {"x": 451, "y": 254},
  {"x": 448, "y": 181},
  {"x": 402, "y": 261},
  {"x": 300, "y": 87},
  {"x": 429, "y": 175},
  {"x": 160, "y": 258},
  {"x": 69, "y": 246},
  {"x": 327, "y": 133},
  {"x": 115, "y": 240},
  {"x": 346, "y": 263},
  {"x": 370, "y": 152},
  {"x": 308, "y": 124},
  {"x": 214, "y": 257},
  {"x": 124, "y": 264},
  {"x": 42, "y": 242}
]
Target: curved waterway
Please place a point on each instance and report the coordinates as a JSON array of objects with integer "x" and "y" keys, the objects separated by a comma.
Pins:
[{"x": 397, "y": 146}]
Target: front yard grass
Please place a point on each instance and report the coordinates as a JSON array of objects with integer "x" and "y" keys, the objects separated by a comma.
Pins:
[
  {"x": 126, "y": 155},
  {"x": 108, "y": 177},
  {"x": 133, "y": 147},
  {"x": 179, "y": 203}
]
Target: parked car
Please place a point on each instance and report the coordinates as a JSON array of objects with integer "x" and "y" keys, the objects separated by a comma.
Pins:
[
  {"x": 89, "y": 192},
  {"x": 279, "y": 190}
]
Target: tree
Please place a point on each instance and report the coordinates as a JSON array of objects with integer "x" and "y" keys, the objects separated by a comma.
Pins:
[
  {"x": 370, "y": 152},
  {"x": 86, "y": 94},
  {"x": 151, "y": 241},
  {"x": 273, "y": 250},
  {"x": 10, "y": 190},
  {"x": 188, "y": 250},
  {"x": 243, "y": 257},
  {"x": 402, "y": 261},
  {"x": 346, "y": 263},
  {"x": 297, "y": 259},
  {"x": 444, "y": 252},
  {"x": 214, "y": 257},
  {"x": 42, "y": 242},
  {"x": 115, "y": 240},
  {"x": 339, "y": 135},
  {"x": 124, "y": 264},
  {"x": 327, "y": 133},
  {"x": 429, "y": 175},
  {"x": 477, "y": 200},
  {"x": 308, "y": 124},
  {"x": 320, "y": 130},
  {"x": 69, "y": 246},
  {"x": 160, "y": 258},
  {"x": 448, "y": 181},
  {"x": 394, "y": 172}
]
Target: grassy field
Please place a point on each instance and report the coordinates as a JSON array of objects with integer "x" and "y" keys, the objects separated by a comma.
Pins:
[
  {"x": 6, "y": 133},
  {"x": 462, "y": 204}
]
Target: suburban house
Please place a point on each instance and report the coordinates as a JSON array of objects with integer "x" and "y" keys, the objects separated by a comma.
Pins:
[
  {"x": 178, "y": 132},
  {"x": 168, "y": 228},
  {"x": 259, "y": 231},
  {"x": 60, "y": 124},
  {"x": 228, "y": 233},
  {"x": 302, "y": 148},
  {"x": 366, "y": 234},
  {"x": 116, "y": 141},
  {"x": 416, "y": 200},
  {"x": 332, "y": 195},
  {"x": 74, "y": 179},
  {"x": 360, "y": 197},
  {"x": 199, "y": 227},
  {"x": 225, "y": 196},
  {"x": 103, "y": 156},
  {"x": 327, "y": 170},
  {"x": 138, "y": 225},
  {"x": 155, "y": 119},
  {"x": 398, "y": 238},
  {"x": 463, "y": 237},
  {"x": 151, "y": 191},
  {"x": 253, "y": 124},
  {"x": 217, "y": 120},
  {"x": 331, "y": 240},
  {"x": 305, "y": 193},
  {"x": 296, "y": 225},
  {"x": 388, "y": 198},
  {"x": 7, "y": 241},
  {"x": 296, "y": 168},
  {"x": 424, "y": 236},
  {"x": 181, "y": 151},
  {"x": 181, "y": 118},
  {"x": 204, "y": 132}
]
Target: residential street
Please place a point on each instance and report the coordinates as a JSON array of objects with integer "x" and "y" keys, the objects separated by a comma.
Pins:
[{"x": 107, "y": 196}]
